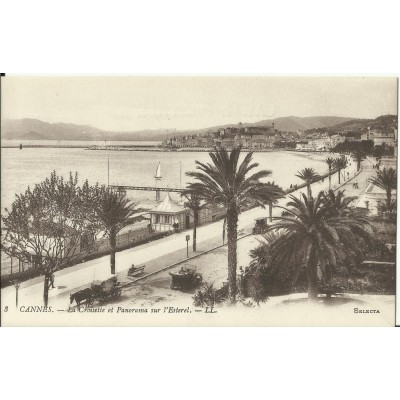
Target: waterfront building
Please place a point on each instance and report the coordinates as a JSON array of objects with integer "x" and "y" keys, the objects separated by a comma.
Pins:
[
  {"x": 259, "y": 142},
  {"x": 168, "y": 213},
  {"x": 208, "y": 141},
  {"x": 302, "y": 147},
  {"x": 322, "y": 144},
  {"x": 353, "y": 139},
  {"x": 336, "y": 139},
  {"x": 228, "y": 142},
  {"x": 381, "y": 138},
  {"x": 191, "y": 141},
  {"x": 367, "y": 135},
  {"x": 247, "y": 142}
]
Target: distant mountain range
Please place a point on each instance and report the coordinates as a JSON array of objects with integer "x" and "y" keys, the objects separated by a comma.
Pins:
[
  {"x": 293, "y": 124},
  {"x": 34, "y": 129},
  {"x": 382, "y": 122}
]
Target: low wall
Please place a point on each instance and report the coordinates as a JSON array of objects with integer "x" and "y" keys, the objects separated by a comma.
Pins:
[{"x": 11, "y": 265}]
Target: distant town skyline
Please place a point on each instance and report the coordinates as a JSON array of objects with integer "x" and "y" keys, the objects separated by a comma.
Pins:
[{"x": 182, "y": 102}]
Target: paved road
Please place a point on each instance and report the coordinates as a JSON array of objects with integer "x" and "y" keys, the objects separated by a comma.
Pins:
[{"x": 154, "y": 255}]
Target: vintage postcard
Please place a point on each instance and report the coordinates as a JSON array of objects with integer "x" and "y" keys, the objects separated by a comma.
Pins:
[{"x": 198, "y": 201}]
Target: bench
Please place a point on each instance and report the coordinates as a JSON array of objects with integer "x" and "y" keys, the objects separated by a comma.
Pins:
[{"x": 134, "y": 271}]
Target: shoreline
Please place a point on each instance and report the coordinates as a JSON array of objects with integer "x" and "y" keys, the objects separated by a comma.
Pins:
[{"x": 200, "y": 150}]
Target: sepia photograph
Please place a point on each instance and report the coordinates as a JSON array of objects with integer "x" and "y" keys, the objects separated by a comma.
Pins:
[{"x": 198, "y": 200}]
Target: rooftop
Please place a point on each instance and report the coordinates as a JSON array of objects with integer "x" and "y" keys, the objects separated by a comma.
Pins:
[{"x": 168, "y": 206}]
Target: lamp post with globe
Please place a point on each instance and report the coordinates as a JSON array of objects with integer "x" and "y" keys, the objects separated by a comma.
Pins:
[{"x": 17, "y": 284}]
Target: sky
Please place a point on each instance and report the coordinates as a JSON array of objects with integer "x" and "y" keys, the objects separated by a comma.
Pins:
[{"x": 137, "y": 103}]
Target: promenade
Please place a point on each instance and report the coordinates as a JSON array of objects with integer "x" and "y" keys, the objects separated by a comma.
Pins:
[{"x": 158, "y": 254}]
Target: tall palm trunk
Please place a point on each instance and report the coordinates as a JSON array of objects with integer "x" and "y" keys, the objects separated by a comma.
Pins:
[
  {"x": 232, "y": 220},
  {"x": 388, "y": 198},
  {"x": 339, "y": 175},
  {"x": 113, "y": 245},
  {"x": 195, "y": 223},
  {"x": 270, "y": 212},
  {"x": 309, "y": 191},
  {"x": 312, "y": 278},
  {"x": 330, "y": 178},
  {"x": 46, "y": 289},
  {"x": 328, "y": 277}
]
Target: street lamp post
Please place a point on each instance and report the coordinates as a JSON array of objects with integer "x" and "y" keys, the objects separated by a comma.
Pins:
[
  {"x": 17, "y": 285},
  {"x": 187, "y": 245}
]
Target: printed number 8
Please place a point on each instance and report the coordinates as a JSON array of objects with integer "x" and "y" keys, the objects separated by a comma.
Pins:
[{"x": 6, "y": 309}]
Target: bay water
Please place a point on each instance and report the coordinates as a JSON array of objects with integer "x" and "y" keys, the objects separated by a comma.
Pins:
[{"x": 26, "y": 167}]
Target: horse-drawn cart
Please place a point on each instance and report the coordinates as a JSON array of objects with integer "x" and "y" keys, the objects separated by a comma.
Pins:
[
  {"x": 106, "y": 290},
  {"x": 101, "y": 291},
  {"x": 185, "y": 278}
]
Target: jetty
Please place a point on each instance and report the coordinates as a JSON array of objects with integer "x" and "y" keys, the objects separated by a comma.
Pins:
[{"x": 123, "y": 188}]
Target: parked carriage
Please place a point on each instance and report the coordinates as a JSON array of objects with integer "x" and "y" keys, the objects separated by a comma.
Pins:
[
  {"x": 106, "y": 290},
  {"x": 260, "y": 226},
  {"x": 185, "y": 278},
  {"x": 101, "y": 291}
]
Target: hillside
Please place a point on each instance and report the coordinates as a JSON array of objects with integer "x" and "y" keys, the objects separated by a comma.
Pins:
[
  {"x": 294, "y": 124},
  {"x": 290, "y": 124},
  {"x": 382, "y": 122},
  {"x": 33, "y": 129}
]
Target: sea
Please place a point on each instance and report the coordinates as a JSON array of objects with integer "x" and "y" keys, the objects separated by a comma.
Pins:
[{"x": 31, "y": 165}]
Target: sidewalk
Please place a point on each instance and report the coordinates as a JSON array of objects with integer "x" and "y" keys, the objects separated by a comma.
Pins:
[{"x": 362, "y": 179}]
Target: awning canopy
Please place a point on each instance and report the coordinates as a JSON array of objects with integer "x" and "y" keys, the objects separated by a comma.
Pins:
[{"x": 168, "y": 206}]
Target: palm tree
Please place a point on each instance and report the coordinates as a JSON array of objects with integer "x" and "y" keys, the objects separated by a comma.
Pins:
[
  {"x": 386, "y": 179},
  {"x": 259, "y": 255},
  {"x": 359, "y": 155},
  {"x": 340, "y": 163},
  {"x": 195, "y": 205},
  {"x": 270, "y": 203},
  {"x": 308, "y": 175},
  {"x": 226, "y": 182},
  {"x": 330, "y": 162},
  {"x": 114, "y": 211},
  {"x": 318, "y": 232}
]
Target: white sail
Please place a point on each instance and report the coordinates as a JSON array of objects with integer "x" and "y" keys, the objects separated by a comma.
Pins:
[{"x": 158, "y": 171}]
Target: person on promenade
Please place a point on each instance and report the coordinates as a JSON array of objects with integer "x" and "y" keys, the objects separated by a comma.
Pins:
[{"x": 52, "y": 281}]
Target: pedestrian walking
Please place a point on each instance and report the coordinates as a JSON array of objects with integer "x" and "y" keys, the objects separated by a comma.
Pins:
[{"x": 52, "y": 280}]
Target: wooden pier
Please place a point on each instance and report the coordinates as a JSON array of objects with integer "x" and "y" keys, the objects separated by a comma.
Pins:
[{"x": 123, "y": 188}]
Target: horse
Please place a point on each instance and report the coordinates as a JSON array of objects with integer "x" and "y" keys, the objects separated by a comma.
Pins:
[{"x": 81, "y": 295}]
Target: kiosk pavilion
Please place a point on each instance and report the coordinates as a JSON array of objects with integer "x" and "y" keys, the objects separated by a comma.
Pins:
[{"x": 167, "y": 213}]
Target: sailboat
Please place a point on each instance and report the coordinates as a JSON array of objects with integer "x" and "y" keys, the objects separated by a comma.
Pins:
[{"x": 158, "y": 171}]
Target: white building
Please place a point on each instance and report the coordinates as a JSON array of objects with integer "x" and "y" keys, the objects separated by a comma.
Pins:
[
  {"x": 322, "y": 144},
  {"x": 386, "y": 138},
  {"x": 336, "y": 139},
  {"x": 367, "y": 136}
]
